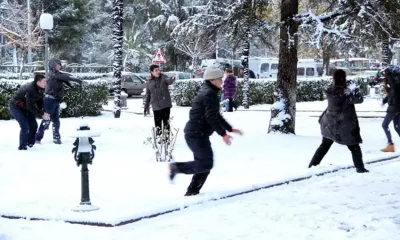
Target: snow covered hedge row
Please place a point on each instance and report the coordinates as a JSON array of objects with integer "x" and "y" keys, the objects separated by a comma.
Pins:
[
  {"x": 85, "y": 101},
  {"x": 25, "y": 76},
  {"x": 261, "y": 90}
]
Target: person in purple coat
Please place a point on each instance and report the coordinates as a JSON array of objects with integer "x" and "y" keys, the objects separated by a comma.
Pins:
[{"x": 229, "y": 88}]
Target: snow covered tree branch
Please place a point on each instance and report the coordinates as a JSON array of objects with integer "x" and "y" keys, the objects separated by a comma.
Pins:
[
  {"x": 14, "y": 25},
  {"x": 353, "y": 19}
]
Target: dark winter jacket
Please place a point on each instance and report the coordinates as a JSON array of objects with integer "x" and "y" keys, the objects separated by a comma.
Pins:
[
  {"x": 392, "y": 73},
  {"x": 29, "y": 97},
  {"x": 229, "y": 87},
  {"x": 339, "y": 121},
  {"x": 204, "y": 116},
  {"x": 157, "y": 92},
  {"x": 56, "y": 81},
  {"x": 251, "y": 74}
]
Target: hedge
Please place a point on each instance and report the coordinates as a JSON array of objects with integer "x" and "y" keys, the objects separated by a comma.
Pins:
[
  {"x": 261, "y": 90},
  {"x": 81, "y": 101}
]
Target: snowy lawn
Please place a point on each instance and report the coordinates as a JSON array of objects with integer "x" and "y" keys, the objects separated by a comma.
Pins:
[
  {"x": 126, "y": 182},
  {"x": 343, "y": 205}
]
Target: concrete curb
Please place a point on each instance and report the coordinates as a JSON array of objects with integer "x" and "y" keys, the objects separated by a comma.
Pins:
[{"x": 154, "y": 215}]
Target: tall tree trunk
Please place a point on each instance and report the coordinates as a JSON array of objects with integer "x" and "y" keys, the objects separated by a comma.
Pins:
[
  {"x": 283, "y": 111},
  {"x": 245, "y": 63},
  {"x": 385, "y": 52},
  {"x": 118, "y": 37}
]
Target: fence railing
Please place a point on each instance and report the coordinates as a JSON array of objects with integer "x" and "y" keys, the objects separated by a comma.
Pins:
[{"x": 72, "y": 68}]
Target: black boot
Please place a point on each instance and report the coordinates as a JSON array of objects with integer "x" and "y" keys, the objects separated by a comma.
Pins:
[
  {"x": 361, "y": 170},
  {"x": 173, "y": 170},
  {"x": 22, "y": 148},
  {"x": 321, "y": 152},
  {"x": 57, "y": 141},
  {"x": 191, "y": 193},
  {"x": 357, "y": 158}
]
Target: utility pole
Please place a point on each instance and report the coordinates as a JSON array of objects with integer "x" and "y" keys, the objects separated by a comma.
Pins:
[{"x": 28, "y": 2}]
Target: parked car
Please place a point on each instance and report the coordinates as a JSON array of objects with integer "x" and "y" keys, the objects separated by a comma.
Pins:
[
  {"x": 131, "y": 83},
  {"x": 373, "y": 77},
  {"x": 178, "y": 75}
]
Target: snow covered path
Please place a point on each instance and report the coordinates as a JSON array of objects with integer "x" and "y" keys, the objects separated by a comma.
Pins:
[{"x": 344, "y": 205}]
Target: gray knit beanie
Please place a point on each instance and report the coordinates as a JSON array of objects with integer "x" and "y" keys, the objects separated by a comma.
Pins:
[{"x": 212, "y": 73}]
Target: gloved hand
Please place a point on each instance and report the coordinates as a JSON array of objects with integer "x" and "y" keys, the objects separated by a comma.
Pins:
[{"x": 227, "y": 139}]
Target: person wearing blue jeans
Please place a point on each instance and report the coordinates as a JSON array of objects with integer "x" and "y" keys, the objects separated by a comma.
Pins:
[
  {"x": 54, "y": 96},
  {"x": 51, "y": 106},
  {"x": 25, "y": 106}
]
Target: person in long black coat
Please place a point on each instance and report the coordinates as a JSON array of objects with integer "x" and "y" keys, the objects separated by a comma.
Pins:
[
  {"x": 204, "y": 119},
  {"x": 25, "y": 105},
  {"x": 339, "y": 122}
]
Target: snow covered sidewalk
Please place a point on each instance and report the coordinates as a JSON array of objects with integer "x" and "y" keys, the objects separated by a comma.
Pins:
[
  {"x": 343, "y": 205},
  {"x": 126, "y": 182}
]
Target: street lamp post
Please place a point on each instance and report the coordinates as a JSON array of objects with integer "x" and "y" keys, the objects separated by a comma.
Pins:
[{"x": 46, "y": 24}]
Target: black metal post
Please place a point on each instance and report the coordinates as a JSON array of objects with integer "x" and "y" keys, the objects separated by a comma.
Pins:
[{"x": 85, "y": 196}]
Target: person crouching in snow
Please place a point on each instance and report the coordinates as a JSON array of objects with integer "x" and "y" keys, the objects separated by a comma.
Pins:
[
  {"x": 54, "y": 96},
  {"x": 25, "y": 106},
  {"x": 229, "y": 89},
  {"x": 204, "y": 119},
  {"x": 393, "y": 110},
  {"x": 339, "y": 122}
]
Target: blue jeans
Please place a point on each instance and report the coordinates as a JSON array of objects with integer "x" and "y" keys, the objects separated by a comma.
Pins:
[
  {"x": 391, "y": 116},
  {"x": 52, "y": 107},
  {"x": 226, "y": 103},
  {"x": 28, "y": 124}
]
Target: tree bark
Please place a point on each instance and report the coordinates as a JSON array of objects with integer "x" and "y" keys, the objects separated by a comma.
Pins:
[
  {"x": 283, "y": 111},
  {"x": 245, "y": 63},
  {"x": 118, "y": 37},
  {"x": 386, "y": 52}
]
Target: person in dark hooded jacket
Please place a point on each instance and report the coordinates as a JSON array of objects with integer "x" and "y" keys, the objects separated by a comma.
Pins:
[
  {"x": 204, "y": 119},
  {"x": 25, "y": 106},
  {"x": 339, "y": 122},
  {"x": 54, "y": 95}
]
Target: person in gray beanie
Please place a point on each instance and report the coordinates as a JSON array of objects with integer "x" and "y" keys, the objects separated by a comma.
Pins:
[{"x": 204, "y": 119}]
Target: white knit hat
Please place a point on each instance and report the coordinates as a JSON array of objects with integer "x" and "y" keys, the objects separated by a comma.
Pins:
[{"x": 212, "y": 73}]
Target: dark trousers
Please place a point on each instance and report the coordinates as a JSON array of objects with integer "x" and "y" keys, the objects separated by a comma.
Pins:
[
  {"x": 202, "y": 164},
  {"x": 27, "y": 123},
  {"x": 326, "y": 145},
  {"x": 230, "y": 105},
  {"x": 52, "y": 107},
  {"x": 391, "y": 116},
  {"x": 161, "y": 117}
]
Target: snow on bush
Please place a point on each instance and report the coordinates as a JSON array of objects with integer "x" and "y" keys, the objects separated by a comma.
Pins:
[
  {"x": 81, "y": 101},
  {"x": 26, "y": 76},
  {"x": 261, "y": 90}
]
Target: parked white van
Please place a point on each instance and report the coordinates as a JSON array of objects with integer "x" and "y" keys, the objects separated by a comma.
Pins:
[{"x": 309, "y": 68}]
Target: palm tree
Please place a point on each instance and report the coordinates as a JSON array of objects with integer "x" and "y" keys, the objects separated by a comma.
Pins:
[{"x": 118, "y": 38}]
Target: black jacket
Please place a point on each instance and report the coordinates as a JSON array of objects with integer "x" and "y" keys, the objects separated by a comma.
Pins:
[
  {"x": 56, "y": 81},
  {"x": 29, "y": 97},
  {"x": 393, "y": 96},
  {"x": 204, "y": 117},
  {"x": 339, "y": 121}
]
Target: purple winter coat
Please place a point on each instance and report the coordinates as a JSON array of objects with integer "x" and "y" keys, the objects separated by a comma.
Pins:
[{"x": 230, "y": 87}]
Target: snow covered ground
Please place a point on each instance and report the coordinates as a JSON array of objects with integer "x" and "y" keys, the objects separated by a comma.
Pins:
[
  {"x": 126, "y": 182},
  {"x": 343, "y": 205}
]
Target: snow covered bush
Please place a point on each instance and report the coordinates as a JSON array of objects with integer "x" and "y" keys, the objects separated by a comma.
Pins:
[
  {"x": 261, "y": 90},
  {"x": 26, "y": 76},
  {"x": 85, "y": 101}
]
